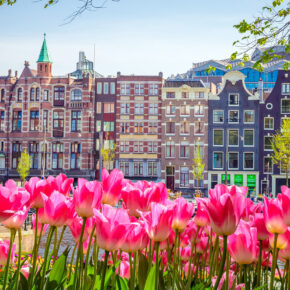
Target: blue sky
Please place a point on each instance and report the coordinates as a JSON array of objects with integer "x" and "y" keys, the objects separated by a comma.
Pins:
[{"x": 131, "y": 36}]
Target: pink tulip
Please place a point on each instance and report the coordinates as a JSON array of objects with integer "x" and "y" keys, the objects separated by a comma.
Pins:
[
  {"x": 158, "y": 222},
  {"x": 242, "y": 244},
  {"x": 17, "y": 220},
  {"x": 76, "y": 228},
  {"x": 58, "y": 209},
  {"x": 112, "y": 186},
  {"x": 232, "y": 278},
  {"x": 258, "y": 221},
  {"x": 87, "y": 196},
  {"x": 191, "y": 268},
  {"x": 201, "y": 245},
  {"x": 185, "y": 253},
  {"x": 169, "y": 241},
  {"x": 282, "y": 240},
  {"x": 37, "y": 187},
  {"x": 250, "y": 209},
  {"x": 285, "y": 253},
  {"x": 191, "y": 230},
  {"x": 60, "y": 183},
  {"x": 201, "y": 218},
  {"x": 182, "y": 213},
  {"x": 273, "y": 216},
  {"x": 4, "y": 251},
  {"x": 39, "y": 225},
  {"x": 285, "y": 197},
  {"x": 133, "y": 238},
  {"x": 124, "y": 269},
  {"x": 111, "y": 226},
  {"x": 25, "y": 271}
]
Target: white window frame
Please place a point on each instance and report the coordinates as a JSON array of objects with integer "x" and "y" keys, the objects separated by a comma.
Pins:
[
  {"x": 244, "y": 154},
  {"x": 229, "y": 117},
  {"x": 223, "y": 137},
  {"x": 269, "y": 150},
  {"x": 265, "y": 123},
  {"x": 228, "y": 136},
  {"x": 248, "y": 129},
  {"x": 264, "y": 165},
  {"x": 285, "y": 99},
  {"x": 221, "y": 168},
  {"x": 229, "y": 160},
  {"x": 223, "y": 116},
  {"x": 253, "y": 111},
  {"x": 234, "y": 105}
]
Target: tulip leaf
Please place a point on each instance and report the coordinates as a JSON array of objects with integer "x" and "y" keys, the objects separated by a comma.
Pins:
[
  {"x": 123, "y": 283},
  {"x": 260, "y": 287},
  {"x": 150, "y": 281},
  {"x": 23, "y": 283},
  {"x": 142, "y": 271}
]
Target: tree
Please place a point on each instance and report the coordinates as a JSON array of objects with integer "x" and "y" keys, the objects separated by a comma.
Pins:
[
  {"x": 198, "y": 165},
  {"x": 281, "y": 148},
  {"x": 108, "y": 154},
  {"x": 23, "y": 167}
]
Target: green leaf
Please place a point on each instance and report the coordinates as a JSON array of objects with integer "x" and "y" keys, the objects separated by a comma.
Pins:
[
  {"x": 23, "y": 283},
  {"x": 142, "y": 271},
  {"x": 197, "y": 287},
  {"x": 123, "y": 283},
  {"x": 260, "y": 287},
  {"x": 150, "y": 281}
]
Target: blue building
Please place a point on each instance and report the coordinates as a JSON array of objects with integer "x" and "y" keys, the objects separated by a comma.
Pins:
[{"x": 233, "y": 138}]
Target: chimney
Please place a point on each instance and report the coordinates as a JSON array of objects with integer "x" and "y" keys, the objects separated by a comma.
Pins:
[
  {"x": 16, "y": 73},
  {"x": 118, "y": 74},
  {"x": 9, "y": 73},
  {"x": 260, "y": 90}
]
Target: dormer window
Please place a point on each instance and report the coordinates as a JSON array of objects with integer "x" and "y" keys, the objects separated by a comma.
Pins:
[
  {"x": 233, "y": 99},
  {"x": 76, "y": 95}
]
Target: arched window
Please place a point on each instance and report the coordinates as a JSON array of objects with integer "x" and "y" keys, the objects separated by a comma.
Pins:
[
  {"x": 19, "y": 94},
  {"x": 76, "y": 95},
  {"x": 32, "y": 94},
  {"x": 37, "y": 93},
  {"x": 2, "y": 95}
]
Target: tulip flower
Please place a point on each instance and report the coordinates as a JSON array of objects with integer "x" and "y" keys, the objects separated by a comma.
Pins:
[
  {"x": 232, "y": 278},
  {"x": 112, "y": 186},
  {"x": 124, "y": 269},
  {"x": 285, "y": 198},
  {"x": 17, "y": 220},
  {"x": 250, "y": 209},
  {"x": 158, "y": 222},
  {"x": 282, "y": 240},
  {"x": 258, "y": 221},
  {"x": 25, "y": 271},
  {"x": 182, "y": 213},
  {"x": 111, "y": 226},
  {"x": 45, "y": 226},
  {"x": 185, "y": 253},
  {"x": 274, "y": 216},
  {"x": 242, "y": 244},
  {"x": 87, "y": 196},
  {"x": 60, "y": 183},
  {"x": 201, "y": 217},
  {"x": 201, "y": 245},
  {"x": 285, "y": 252},
  {"x": 37, "y": 187},
  {"x": 225, "y": 207},
  {"x": 76, "y": 228},
  {"x": 4, "y": 251}
]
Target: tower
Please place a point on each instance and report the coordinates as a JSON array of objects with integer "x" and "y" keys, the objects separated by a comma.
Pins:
[{"x": 44, "y": 63}]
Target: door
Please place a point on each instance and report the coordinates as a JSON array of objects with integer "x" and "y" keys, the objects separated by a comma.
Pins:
[{"x": 170, "y": 177}]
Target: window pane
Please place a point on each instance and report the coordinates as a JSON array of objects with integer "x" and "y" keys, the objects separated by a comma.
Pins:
[
  {"x": 218, "y": 138},
  {"x": 249, "y": 137}
]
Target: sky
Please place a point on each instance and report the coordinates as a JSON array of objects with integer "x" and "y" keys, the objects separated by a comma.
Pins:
[{"x": 131, "y": 36}]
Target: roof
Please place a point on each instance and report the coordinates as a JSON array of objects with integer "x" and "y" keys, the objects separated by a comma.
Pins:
[
  {"x": 176, "y": 83},
  {"x": 43, "y": 56}
]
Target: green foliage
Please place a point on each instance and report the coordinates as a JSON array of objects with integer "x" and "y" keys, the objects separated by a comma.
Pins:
[
  {"x": 142, "y": 271},
  {"x": 198, "y": 165},
  {"x": 150, "y": 281},
  {"x": 23, "y": 167},
  {"x": 108, "y": 155}
]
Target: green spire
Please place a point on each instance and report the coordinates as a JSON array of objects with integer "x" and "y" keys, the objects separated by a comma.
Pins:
[{"x": 43, "y": 56}]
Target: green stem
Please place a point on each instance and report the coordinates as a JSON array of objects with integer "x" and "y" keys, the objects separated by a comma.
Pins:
[
  {"x": 174, "y": 258},
  {"x": 227, "y": 269},
  {"x": 211, "y": 266},
  {"x": 95, "y": 254},
  {"x": 54, "y": 247},
  {"x": 12, "y": 237},
  {"x": 274, "y": 262},
  {"x": 131, "y": 272},
  {"x": 259, "y": 264},
  {"x": 288, "y": 276},
  {"x": 246, "y": 277},
  {"x": 157, "y": 266},
  {"x": 114, "y": 256},
  {"x": 104, "y": 270},
  {"x": 267, "y": 271},
  {"x": 71, "y": 262},
  {"x": 150, "y": 256},
  {"x": 19, "y": 257},
  {"x": 222, "y": 262},
  {"x": 60, "y": 239}
]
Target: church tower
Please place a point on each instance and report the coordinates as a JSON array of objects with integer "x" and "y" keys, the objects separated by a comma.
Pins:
[{"x": 44, "y": 63}]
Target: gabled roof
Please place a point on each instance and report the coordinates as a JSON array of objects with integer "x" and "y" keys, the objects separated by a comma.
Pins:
[
  {"x": 43, "y": 56},
  {"x": 27, "y": 72}
]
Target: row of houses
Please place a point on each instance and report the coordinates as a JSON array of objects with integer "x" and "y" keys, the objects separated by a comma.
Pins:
[{"x": 156, "y": 126}]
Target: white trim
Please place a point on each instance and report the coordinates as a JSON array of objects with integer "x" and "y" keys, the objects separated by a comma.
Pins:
[
  {"x": 244, "y": 161},
  {"x": 222, "y": 135}
]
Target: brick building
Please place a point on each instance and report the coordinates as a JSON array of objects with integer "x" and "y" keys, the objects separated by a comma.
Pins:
[
  {"x": 184, "y": 130},
  {"x": 50, "y": 116},
  {"x": 138, "y": 126}
]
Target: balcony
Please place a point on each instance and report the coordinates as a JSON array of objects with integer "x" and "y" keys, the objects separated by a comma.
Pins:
[{"x": 77, "y": 105}]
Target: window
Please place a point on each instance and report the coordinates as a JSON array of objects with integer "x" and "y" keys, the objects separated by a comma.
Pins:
[
  {"x": 109, "y": 127},
  {"x": 2, "y": 119},
  {"x": 199, "y": 95},
  {"x": 2, "y": 160},
  {"x": 170, "y": 110},
  {"x": 152, "y": 127},
  {"x": 99, "y": 88},
  {"x": 184, "y": 95},
  {"x": 170, "y": 148},
  {"x": 198, "y": 110},
  {"x": 19, "y": 95},
  {"x": 124, "y": 146},
  {"x": 285, "y": 88},
  {"x": 153, "y": 109},
  {"x": 184, "y": 127},
  {"x": 267, "y": 143},
  {"x": 34, "y": 153},
  {"x": 16, "y": 153},
  {"x": 218, "y": 158},
  {"x": 248, "y": 137},
  {"x": 233, "y": 99},
  {"x": 198, "y": 128},
  {"x": 44, "y": 152},
  {"x": 218, "y": 137},
  {"x": 184, "y": 110},
  {"x": 285, "y": 106},
  {"x": 139, "y": 109},
  {"x": 124, "y": 167},
  {"x": 32, "y": 94},
  {"x": 153, "y": 89},
  {"x": 98, "y": 126},
  {"x": 58, "y": 123},
  {"x": 218, "y": 116},
  {"x": 76, "y": 121},
  {"x": 58, "y": 96},
  {"x": 125, "y": 108},
  {"x": 125, "y": 128},
  {"x": 138, "y": 128},
  {"x": 139, "y": 89},
  {"x": 184, "y": 150},
  {"x": 152, "y": 168},
  {"x": 233, "y": 137},
  {"x": 269, "y": 123},
  {"x": 155, "y": 147},
  {"x": 76, "y": 95},
  {"x": 170, "y": 127},
  {"x": 112, "y": 88},
  {"x": 138, "y": 147},
  {"x": 170, "y": 95},
  {"x": 233, "y": 116},
  {"x": 138, "y": 168},
  {"x": 125, "y": 89},
  {"x": 184, "y": 176},
  {"x": 109, "y": 107},
  {"x": 2, "y": 95},
  {"x": 34, "y": 120},
  {"x": 249, "y": 116},
  {"x": 75, "y": 158},
  {"x": 37, "y": 94},
  {"x": 233, "y": 160},
  {"x": 268, "y": 164},
  {"x": 57, "y": 155},
  {"x": 17, "y": 121},
  {"x": 248, "y": 160},
  {"x": 45, "y": 120},
  {"x": 106, "y": 88},
  {"x": 45, "y": 95}
]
